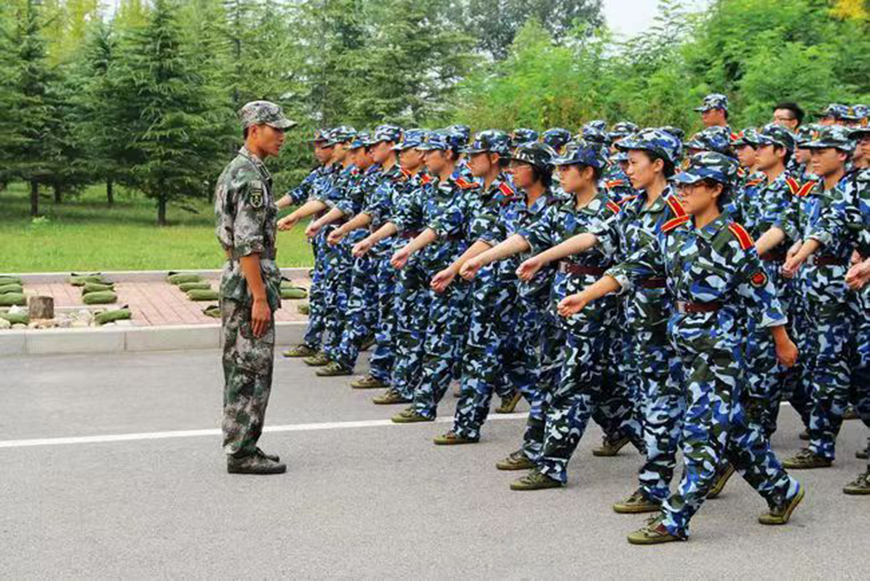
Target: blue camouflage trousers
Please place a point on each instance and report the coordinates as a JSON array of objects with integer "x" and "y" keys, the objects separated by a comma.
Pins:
[
  {"x": 861, "y": 360},
  {"x": 362, "y": 308},
  {"x": 382, "y": 358},
  {"x": 715, "y": 426},
  {"x": 662, "y": 404},
  {"x": 446, "y": 326},
  {"x": 410, "y": 316},
  {"x": 337, "y": 278},
  {"x": 314, "y": 330},
  {"x": 540, "y": 331},
  {"x": 827, "y": 372},
  {"x": 488, "y": 365}
]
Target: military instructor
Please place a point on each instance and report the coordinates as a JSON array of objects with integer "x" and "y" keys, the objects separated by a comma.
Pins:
[{"x": 245, "y": 213}]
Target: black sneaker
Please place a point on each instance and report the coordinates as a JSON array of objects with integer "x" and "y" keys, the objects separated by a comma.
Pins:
[{"x": 254, "y": 464}]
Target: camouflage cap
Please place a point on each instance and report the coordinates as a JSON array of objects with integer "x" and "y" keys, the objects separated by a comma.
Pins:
[
  {"x": 675, "y": 131},
  {"x": 411, "y": 139},
  {"x": 442, "y": 139},
  {"x": 535, "y": 153},
  {"x": 582, "y": 153},
  {"x": 492, "y": 141},
  {"x": 264, "y": 113},
  {"x": 619, "y": 156},
  {"x": 835, "y": 136},
  {"x": 714, "y": 138},
  {"x": 387, "y": 132},
  {"x": 622, "y": 129},
  {"x": 522, "y": 135},
  {"x": 594, "y": 132},
  {"x": 597, "y": 125},
  {"x": 361, "y": 139},
  {"x": 341, "y": 134},
  {"x": 320, "y": 136},
  {"x": 857, "y": 113},
  {"x": 463, "y": 130},
  {"x": 773, "y": 134},
  {"x": 861, "y": 132},
  {"x": 656, "y": 141},
  {"x": 707, "y": 165},
  {"x": 714, "y": 101},
  {"x": 556, "y": 137},
  {"x": 748, "y": 136},
  {"x": 835, "y": 111},
  {"x": 804, "y": 134}
]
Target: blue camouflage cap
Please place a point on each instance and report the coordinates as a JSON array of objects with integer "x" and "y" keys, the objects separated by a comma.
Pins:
[
  {"x": 491, "y": 141},
  {"x": 411, "y": 139},
  {"x": 835, "y": 136},
  {"x": 362, "y": 139},
  {"x": 804, "y": 134},
  {"x": 556, "y": 137},
  {"x": 442, "y": 139},
  {"x": 597, "y": 125},
  {"x": 861, "y": 132},
  {"x": 707, "y": 165},
  {"x": 773, "y": 134},
  {"x": 320, "y": 136},
  {"x": 582, "y": 153},
  {"x": 857, "y": 113},
  {"x": 748, "y": 136},
  {"x": 622, "y": 129},
  {"x": 264, "y": 113},
  {"x": 387, "y": 132},
  {"x": 341, "y": 134},
  {"x": 675, "y": 131},
  {"x": 523, "y": 135},
  {"x": 835, "y": 111},
  {"x": 714, "y": 138},
  {"x": 463, "y": 130},
  {"x": 714, "y": 101},
  {"x": 619, "y": 157},
  {"x": 656, "y": 141},
  {"x": 594, "y": 132}
]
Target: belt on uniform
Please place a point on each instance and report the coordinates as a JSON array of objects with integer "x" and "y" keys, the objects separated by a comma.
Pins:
[
  {"x": 826, "y": 260},
  {"x": 686, "y": 307},
  {"x": 408, "y": 234},
  {"x": 653, "y": 283},
  {"x": 454, "y": 237},
  {"x": 570, "y": 268},
  {"x": 773, "y": 257},
  {"x": 265, "y": 255}
]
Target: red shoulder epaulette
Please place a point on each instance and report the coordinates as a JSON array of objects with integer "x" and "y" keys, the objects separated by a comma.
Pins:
[
  {"x": 506, "y": 189},
  {"x": 675, "y": 206},
  {"x": 425, "y": 178},
  {"x": 741, "y": 173},
  {"x": 736, "y": 136},
  {"x": 675, "y": 222},
  {"x": 405, "y": 173},
  {"x": 613, "y": 207},
  {"x": 742, "y": 235},
  {"x": 465, "y": 184},
  {"x": 805, "y": 189},
  {"x": 793, "y": 185},
  {"x": 754, "y": 182},
  {"x": 614, "y": 183}
]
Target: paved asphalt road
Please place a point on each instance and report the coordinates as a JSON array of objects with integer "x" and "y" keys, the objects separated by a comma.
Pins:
[{"x": 372, "y": 501}]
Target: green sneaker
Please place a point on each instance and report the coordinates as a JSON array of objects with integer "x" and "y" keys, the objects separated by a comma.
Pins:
[
  {"x": 637, "y": 503},
  {"x": 368, "y": 382},
  {"x": 610, "y": 447},
  {"x": 859, "y": 486},
  {"x": 367, "y": 343},
  {"x": 509, "y": 404},
  {"x": 654, "y": 533},
  {"x": 319, "y": 359},
  {"x": 535, "y": 480},
  {"x": 410, "y": 416},
  {"x": 302, "y": 350},
  {"x": 850, "y": 413},
  {"x": 303, "y": 309},
  {"x": 722, "y": 478},
  {"x": 781, "y": 509},
  {"x": 806, "y": 459},
  {"x": 451, "y": 438},
  {"x": 390, "y": 397},
  {"x": 516, "y": 461},
  {"x": 333, "y": 369}
]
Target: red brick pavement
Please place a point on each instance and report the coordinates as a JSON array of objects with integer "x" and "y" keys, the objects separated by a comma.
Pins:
[{"x": 156, "y": 303}]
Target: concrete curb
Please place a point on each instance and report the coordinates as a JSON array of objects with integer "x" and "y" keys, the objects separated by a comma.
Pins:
[
  {"x": 139, "y": 275},
  {"x": 128, "y": 339}
]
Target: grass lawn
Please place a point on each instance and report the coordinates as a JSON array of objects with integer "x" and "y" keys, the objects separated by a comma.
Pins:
[{"x": 83, "y": 233}]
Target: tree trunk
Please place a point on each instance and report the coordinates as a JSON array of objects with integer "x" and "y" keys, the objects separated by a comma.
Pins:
[
  {"x": 41, "y": 308},
  {"x": 34, "y": 198},
  {"x": 58, "y": 193},
  {"x": 110, "y": 191},
  {"x": 161, "y": 210}
]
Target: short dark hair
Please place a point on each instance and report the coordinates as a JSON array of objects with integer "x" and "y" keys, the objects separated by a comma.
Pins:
[
  {"x": 542, "y": 175},
  {"x": 669, "y": 168},
  {"x": 794, "y": 108},
  {"x": 245, "y": 132}
]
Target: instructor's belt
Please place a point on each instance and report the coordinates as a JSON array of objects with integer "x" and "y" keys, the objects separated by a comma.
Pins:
[
  {"x": 653, "y": 283},
  {"x": 828, "y": 260}
]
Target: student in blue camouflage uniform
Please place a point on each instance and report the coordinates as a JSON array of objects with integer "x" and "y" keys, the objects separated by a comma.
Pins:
[
  {"x": 522, "y": 135},
  {"x": 489, "y": 365},
  {"x": 648, "y": 360},
  {"x": 712, "y": 271},
  {"x": 583, "y": 390},
  {"x": 825, "y": 296},
  {"x": 246, "y": 228},
  {"x": 447, "y": 212},
  {"x": 715, "y": 138},
  {"x": 834, "y": 114},
  {"x": 403, "y": 212},
  {"x": 557, "y": 138},
  {"x": 537, "y": 339},
  {"x": 307, "y": 190}
]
